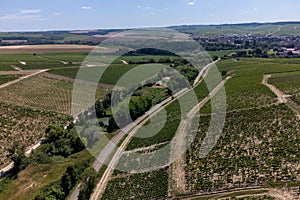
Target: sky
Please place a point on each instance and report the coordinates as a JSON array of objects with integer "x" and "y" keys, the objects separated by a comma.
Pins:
[{"x": 34, "y": 15}]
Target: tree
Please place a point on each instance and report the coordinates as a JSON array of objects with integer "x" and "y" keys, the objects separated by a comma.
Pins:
[
  {"x": 88, "y": 183},
  {"x": 215, "y": 58},
  {"x": 99, "y": 109},
  {"x": 112, "y": 125},
  {"x": 17, "y": 154}
]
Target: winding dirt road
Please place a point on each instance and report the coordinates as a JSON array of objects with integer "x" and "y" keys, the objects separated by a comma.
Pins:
[{"x": 282, "y": 98}]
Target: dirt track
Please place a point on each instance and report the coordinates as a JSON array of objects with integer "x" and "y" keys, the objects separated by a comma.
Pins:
[
  {"x": 280, "y": 95},
  {"x": 282, "y": 98},
  {"x": 33, "y": 73}
]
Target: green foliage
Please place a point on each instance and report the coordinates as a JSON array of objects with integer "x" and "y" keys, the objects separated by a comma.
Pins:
[
  {"x": 150, "y": 185},
  {"x": 256, "y": 147},
  {"x": 17, "y": 154},
  {"x": 62, "y": 142},
  {"x": 7, "y": 78},
  {"x": 89, "y": 178},
  {"x": 61, "y": 189},
  {"x": 52, "y": 192},
  {"x": 172, "y": 122},
  {"x": 290, "y": 88}
]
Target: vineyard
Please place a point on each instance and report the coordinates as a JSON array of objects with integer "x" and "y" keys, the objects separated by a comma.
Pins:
[
  {"x": 291, "y": 88},
  {"x": 150, "y": 185},
  {"x": 8, "y": 78},
  {"x": 93, "y": 73},
  {"x": 257, "y": 147},
  {"x": 5, "y": 66},
  {"x": 288, "y": 83},
  {"x": 34, "y": 61},
  {"x": 42, "y": 93},
  {"x": 23, "y": 125}
]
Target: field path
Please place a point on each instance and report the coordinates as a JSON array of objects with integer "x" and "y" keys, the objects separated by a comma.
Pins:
[
  {"x": 100, "y": 188},
  {"x": 177, "y": 180},
  {"x": 16, "y": 68},
  {"x": 282, "y": 98},
  {"x": 34, "y": 73}
]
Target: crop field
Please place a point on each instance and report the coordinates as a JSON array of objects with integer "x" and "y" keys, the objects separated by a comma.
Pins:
[
  {"x": 24, "y": 125},
  {"x": 6, "y": 66},
  {"x": 245, "y": 89},
  {"x": 30, "y": 61},
  {"x": 7, "y": 78},
  {"x": 289, "y": 77},
  {"x": 151, "y": 185},
  {"x": 42, "y": 93},
  {"x": 115, "y": 70},
  {"x": 258, "y": 142},
  {"x": 66, "y": 56},
  {"x": 257, "y": 147},
  {"x": 290, "y": 88}
]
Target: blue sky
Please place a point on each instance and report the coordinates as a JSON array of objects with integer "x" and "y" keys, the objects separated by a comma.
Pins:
[{"x": 91, "y": 14}]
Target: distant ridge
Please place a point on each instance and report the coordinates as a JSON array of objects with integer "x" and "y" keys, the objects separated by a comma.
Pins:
[{"x": 238, "y": 24}]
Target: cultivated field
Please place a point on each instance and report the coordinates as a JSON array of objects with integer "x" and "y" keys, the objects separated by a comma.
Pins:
[
  {"x": 45, "y": 48},
  {"x": 150, "y": 185},
  {"x": 42, "y": 93},
  {"x": 23, "y": 125},
  {"x": 7, "y": 78},
  {"x": 258, "y": 146}
]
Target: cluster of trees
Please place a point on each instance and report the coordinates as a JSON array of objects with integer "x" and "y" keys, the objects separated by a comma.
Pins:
[
  {"x": 258, "y": 52},
  {"x": 62, "y": 142},
  {"x": 138, "y": 105}
]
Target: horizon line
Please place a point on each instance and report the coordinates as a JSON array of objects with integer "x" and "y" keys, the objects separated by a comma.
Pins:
[{"x": 145, "y": 27}]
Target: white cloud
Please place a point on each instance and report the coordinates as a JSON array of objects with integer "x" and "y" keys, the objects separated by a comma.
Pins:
[
  {"x": 56, "y": 14},
  {"x": 148, "y": 8},
  {"x": 139, "y": 6},
  {"x": 23, "y": 14},
  {"x": 86, "y": 7},
  {"x": 255, "y": 9},
  {"x": 152, "y": 13},
  {"x": 191, "y": 2},
  {"x": 27, "y": 12}
]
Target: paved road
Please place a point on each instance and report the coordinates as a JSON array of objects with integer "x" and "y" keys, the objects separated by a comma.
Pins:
[
  {"x": 131, "y": 129},
  {"x": 105, "y": 177}
]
